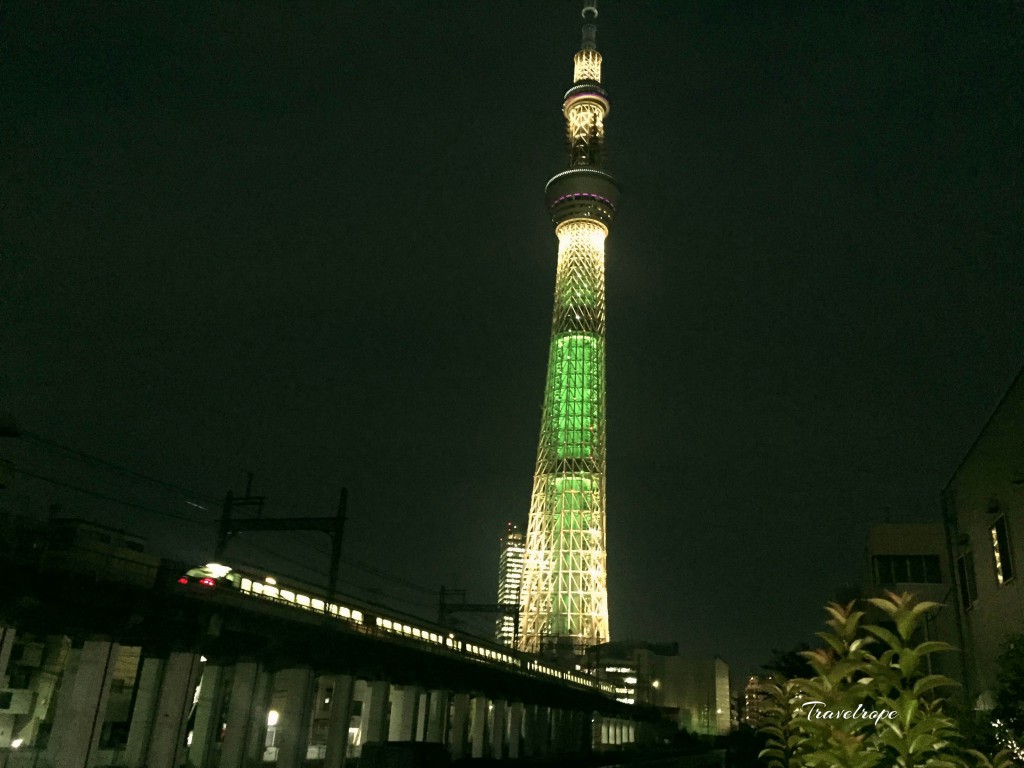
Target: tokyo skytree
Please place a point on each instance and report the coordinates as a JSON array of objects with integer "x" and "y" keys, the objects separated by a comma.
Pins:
[{"x": 565, "y": 588}]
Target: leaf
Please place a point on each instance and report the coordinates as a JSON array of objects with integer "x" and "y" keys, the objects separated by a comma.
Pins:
[
  {"x": 929, "y": 682},
  {"x": 906, "y": 623},
  {"x": 885, "y": 605},
  {"x": 934, "y": 646},
  {"x": 886, "y": 635}
]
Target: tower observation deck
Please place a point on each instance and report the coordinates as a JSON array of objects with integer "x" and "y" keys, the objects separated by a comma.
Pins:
[{"x": 565, "y": 590}]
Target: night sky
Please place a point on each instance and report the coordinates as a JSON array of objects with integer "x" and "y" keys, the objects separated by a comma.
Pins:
[{"x": 307, "y": 240}]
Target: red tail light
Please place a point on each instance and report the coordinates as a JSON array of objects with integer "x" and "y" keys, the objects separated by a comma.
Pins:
[
  {"x": 207, "y": 582},
  {"x": 183, "y": 580}
]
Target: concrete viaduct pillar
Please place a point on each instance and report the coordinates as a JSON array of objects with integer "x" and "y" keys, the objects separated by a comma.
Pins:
[
  {"x": 404, "y": 701},
  {"x": 460, "y": 721},
  {"x": 499, "y": 727},
  {"x": 515, "y": 730},
  {"x": 156, "y": 735},
  {"x": 437, "y": 716},
  {"x": 478, "y": 734},
  {"x": 208, "y": 715},
  {"x": 375, "y": 712},
  {"x": 339, "y": 718},
  {"x": 82, "y": 704},
  {"x": 293, "y": 694},
  {"x": 246, "y": 717}
]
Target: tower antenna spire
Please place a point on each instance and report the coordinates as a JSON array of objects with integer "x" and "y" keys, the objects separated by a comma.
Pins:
[{"x": 589, "y": 25}]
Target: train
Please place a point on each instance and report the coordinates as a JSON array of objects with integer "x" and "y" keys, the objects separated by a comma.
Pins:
[{"x": 366, "y": 619}]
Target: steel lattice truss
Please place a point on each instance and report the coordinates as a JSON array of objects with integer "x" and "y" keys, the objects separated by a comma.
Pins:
[{"x": 565, "y": 587}]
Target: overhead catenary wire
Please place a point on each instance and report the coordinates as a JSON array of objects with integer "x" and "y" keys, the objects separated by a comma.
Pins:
[
  {"x": 107, "y": 497},
  {"x": 117, "y": 467},
  {"x": 192, "y": 494}
]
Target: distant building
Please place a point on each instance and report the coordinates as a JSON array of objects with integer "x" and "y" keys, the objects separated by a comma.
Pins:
[
  {"x": 98, "y": 552},
  {"x": 691, "y": 692},
  {"x": 510, "y": 579},
  {"x": 32, "y": 665},
  {"x": 755, "y": 699},
  {"x": 911, "y": 557},
  {"x": 72, "y": 545},
  {"x": 983, "y": 507}
]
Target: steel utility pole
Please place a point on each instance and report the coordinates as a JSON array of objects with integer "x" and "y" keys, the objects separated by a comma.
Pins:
[{"x": 333, "y": 526}]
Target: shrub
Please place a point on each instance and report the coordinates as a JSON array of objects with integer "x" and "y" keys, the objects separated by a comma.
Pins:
[{"x": 871, "y": 702}]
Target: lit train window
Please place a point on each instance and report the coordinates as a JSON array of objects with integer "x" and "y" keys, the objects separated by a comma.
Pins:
[
  {"x": 270, "y": 591},
  {"x": 318, "y": 605},
  {"x": 246, "y": 585},
  {"x": 302, "y": 600},
  {"x": 357, "y": 616},
  {"x": 288, "y": 595}
]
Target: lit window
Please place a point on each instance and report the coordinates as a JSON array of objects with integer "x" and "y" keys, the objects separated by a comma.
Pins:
[{"x": 1001, "y": 551}]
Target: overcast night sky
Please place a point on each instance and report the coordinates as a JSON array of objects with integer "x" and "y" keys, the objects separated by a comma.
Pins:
[{"x": 308, "y": 240}]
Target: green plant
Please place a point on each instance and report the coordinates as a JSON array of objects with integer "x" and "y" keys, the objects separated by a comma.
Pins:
[
  {"x": 871, "y": 702},
  {"x": 1008, "y": 715}
]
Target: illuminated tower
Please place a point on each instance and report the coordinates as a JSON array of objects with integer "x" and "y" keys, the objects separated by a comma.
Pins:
[
  {"x": 510, "y": 579},
  {"x": 565, "y": 590}
]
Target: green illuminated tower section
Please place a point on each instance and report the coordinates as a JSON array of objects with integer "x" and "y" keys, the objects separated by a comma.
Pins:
[{"x": 565, "y": 589}]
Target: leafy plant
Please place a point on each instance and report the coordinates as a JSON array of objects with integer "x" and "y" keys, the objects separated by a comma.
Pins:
[
  {"x": 871, "y": 702},
  {"x": 1008, "y": 714}
]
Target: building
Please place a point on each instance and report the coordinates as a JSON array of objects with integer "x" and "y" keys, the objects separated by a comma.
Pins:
[
  {"x": 565, "y": 593},
  {"x": 691, "y": 692},
  {"x": 911, "y": 557},
  {"x": 756, "y": 700},
  {"x": 983, "y": 509},
  {"x": 510, "y": 578},
  {"x": 97, "y": 553},
  {"x": 32, "y": 665}
]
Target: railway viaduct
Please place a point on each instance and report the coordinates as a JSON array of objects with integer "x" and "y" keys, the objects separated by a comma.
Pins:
[{"x": 101, "y": 673}]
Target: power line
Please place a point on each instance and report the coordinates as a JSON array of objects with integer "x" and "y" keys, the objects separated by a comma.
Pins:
[
  {"x": 118, "y": 468},
  {"x": 88, "y": 457},
  {"x": 312, "y": 569},
  {"x": 374, "y": 571},
  {"x": 98, "y": 494}
]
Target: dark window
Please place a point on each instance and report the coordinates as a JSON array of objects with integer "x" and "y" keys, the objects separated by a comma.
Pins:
[
  {"x": 1001, "y": 551},
  {"x": 6, "y": 697},
  {"x": 968, "y": 585},
  {"x": 883, "y": 570},
  {"x": 907, "y": 569}
]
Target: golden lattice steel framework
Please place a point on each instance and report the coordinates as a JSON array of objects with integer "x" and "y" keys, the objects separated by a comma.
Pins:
[{"x": 565, "y": 587}]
